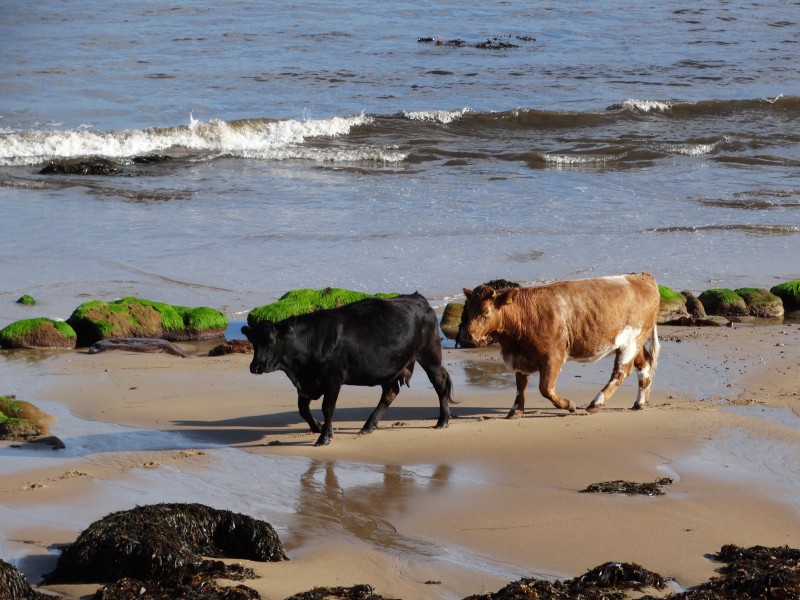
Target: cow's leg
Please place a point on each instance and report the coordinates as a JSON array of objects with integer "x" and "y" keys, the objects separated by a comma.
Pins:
[
  {"x": 618, "y": 375},
  {"x": 303, "y": 405},
  {"x": 430, "y": 359},
  {"x": 547, "y": 382},
  {"x": 390, "y": 391},
  {"x": 644, "y": 371},
  {"x": 519, "y": 402},
  {"x": 328, "y": 405}
]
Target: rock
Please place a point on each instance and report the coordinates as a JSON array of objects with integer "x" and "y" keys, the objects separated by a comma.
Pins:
[
  {"x": 137, "y": 345},
  {"x": 303, "y": 301},
  {"x": 232, "y": 347},
  {"x": 789, "y": 293},
  {"x": 672, "y": 305},
  {"x": 451, "y": 319},
  {"x": 38, "y": 333},
  {"x": 137, "y": 318},
  {"x": 693, "y": 305},
  {"x": 724, "y": 302},
  {"x": 21, "y": 420},
  {"x": 160, "y": 541},
  {"x": 14, "y": 586},
  {"x": 26, "y": 300},
  {"x": 96, "y": 166},
  {"x": 54, "y": 442},
  {"x": 761, "y": 303}
]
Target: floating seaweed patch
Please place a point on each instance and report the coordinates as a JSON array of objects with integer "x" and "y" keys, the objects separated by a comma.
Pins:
[{"x": 629, "y": 488}]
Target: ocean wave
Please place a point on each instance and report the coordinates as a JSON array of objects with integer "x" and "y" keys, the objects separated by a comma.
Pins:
[{"x": 439, "y": 116}]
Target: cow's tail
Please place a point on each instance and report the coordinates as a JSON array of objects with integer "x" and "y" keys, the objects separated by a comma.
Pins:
[{"x": 655, "y": 348}]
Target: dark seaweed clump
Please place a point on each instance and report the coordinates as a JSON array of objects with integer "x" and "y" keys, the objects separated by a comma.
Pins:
[
  {"x": 184, "y": 585},
  {"x": 14, "y": 586},
  {"x": 357, "y": 592},
  {"x": 756, "y": 572},
  {"x": 606, "y": 582},
  {"x": 164, "y": 541},
  {"x": 630, "y": 488}
]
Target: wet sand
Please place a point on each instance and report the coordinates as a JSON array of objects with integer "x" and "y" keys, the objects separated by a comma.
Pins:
[{"x": 418, "y": 512}]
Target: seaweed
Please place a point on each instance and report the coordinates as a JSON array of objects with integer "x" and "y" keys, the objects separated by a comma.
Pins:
[
  {"x": 723, "y": 301},
  {"x": 14, "y": 586},
  {"x": 20, "y": 420},
  {"x": 789, "y": 293},
  {"x": 157, "y": 541},
  {"x": 26, "y": 300},
  {"x": 37, "y": 333},
  {"x": 629, "y": 488},
  {"x": 356, "y": 592}
]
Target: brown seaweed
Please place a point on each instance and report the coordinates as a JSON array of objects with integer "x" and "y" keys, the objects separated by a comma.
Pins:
[
  {"x": 186, "y": 587},
  {"x": 157, "y": 541},
  {"x": 14, "y": 586},
  {"x": 629, "y": 488},
  {"x": 356, "y": 592}
]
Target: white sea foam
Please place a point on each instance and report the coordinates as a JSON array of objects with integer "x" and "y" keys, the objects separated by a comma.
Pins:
[
  {"x": 440, "y": 116},
  {"x": 646, "y": 105},
  {"x": 261, "y": 139}
]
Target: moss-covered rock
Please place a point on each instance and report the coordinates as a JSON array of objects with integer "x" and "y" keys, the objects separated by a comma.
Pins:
[
  {"x": 27, "y": 300},
  {"x": 303, "y": 301},
  {"x": 789, "y": 293},
  {"x": 20, "y": 420},
  {"x": 38, "y": 333},
  {"x": 761, "y": 303},
  {"x": 724, "y": 302},
  {"x": 672, "y": 305},
  {"x": 137, "y": 318}
]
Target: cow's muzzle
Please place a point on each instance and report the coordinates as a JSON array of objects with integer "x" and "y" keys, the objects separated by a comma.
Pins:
[{"x": 256, "y": 369}]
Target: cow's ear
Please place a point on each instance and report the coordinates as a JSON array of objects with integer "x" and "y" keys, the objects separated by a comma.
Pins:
[
  {"x": 246, "y": 331},
  {"x": 507, "y": 297},
  {"x": 467, "y": 292}
]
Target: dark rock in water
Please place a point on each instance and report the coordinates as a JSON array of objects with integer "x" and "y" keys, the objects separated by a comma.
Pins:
[
  {"x": 357, "y": 592},
  {"x": 14, "y": 586},
  {"x": 54, "y": 442},
  {"x": 151, "y": 158},
  {"x": 502, "y": 284},
  {"x": 605, "y": 582},
  {"x": 232, "y": 347},
  {"x": 137, "y": 345},
  {"x": 161, "y": 541},
  {"x": 95, "y": 166},
  {"x": 629, "y": 488}
]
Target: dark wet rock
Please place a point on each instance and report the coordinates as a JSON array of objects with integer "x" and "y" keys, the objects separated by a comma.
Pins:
[
  {"x": 94, "y": 166},
  {"x": 21, "y": 420},
  {"x": 137, "y": 318},
  {"x": 496, "y": 44},
  {"x": 451, "y": 319},
  {"x": 303, "y": 301},
  {"x": 54, "y": 442},
  {"x": 356, "y": 592},
  {"x": 761, "y": 303},
  {"x": 693, "y": 305},
  {"x": 723, "y": 302},
  {"x": 493, "y": 43},
  {"x": 14, "y": 586},
  {"x": 232, "y": 347},
  {"x": 38, "y": 333},
  {"x": 672, "y": 305},
  {"x": 151, "y": 159},
  {"x": 502, "y": 284},
  {"x": 27, "y": 300},
  {"x": 628, "y": 488},
  {"x": 789, "y": 293},
  {"x": 137, "y": 345},
  {"x": 160, "y": 541},
  {"x": 605, "y": 582}
]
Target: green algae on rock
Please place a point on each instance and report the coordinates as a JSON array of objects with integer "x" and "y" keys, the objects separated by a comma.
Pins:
[
  {"x": 789, "y": 293},
  {"x": 672, "y": 304},
  {"x": 303, "y": 301},
  {"x": 723, "y": 301},
  {"x": 27, "y": 300},
  {"x": 38, "y": 333},
  {"x": 21, "y": 420},
  {"x": 761, "y": 303},
  {"x": 137, "y": 318}
]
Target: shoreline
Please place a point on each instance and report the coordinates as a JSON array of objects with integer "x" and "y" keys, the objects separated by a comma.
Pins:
[{"x": 474, "y": 506}]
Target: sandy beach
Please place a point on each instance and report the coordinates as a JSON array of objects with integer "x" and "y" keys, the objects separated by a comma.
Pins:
[{"x": 413, "y": 511}]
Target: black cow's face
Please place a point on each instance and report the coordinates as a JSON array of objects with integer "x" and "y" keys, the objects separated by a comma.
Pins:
[{"x": 266, "y": 349}]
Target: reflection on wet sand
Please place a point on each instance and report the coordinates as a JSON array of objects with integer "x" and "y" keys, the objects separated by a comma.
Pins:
[{"x": 362, "y": 501}]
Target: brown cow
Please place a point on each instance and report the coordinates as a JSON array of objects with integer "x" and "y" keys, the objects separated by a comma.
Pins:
[{"x": 540, "y": 328}]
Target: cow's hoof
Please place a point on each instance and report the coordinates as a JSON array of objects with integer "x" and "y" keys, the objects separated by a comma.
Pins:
[
  {"x": 514, "y": 413},
  {"x": 594, "y": 408},
  {"x": 323, "y": 441},
  {"x": 441, "y": 425},
  {"x": 571, "y": 407},
  {"x": 637, "y": 407},
  {"x": 365, "y": 429}
]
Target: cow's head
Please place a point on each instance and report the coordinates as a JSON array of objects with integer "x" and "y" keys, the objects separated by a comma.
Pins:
[
  {"x": 481, "y": 316},
  {"x": 267, "y": 348}
]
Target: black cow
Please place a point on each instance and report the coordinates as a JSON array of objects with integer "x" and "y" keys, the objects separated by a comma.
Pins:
[{"x": 370, "y": 342}]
